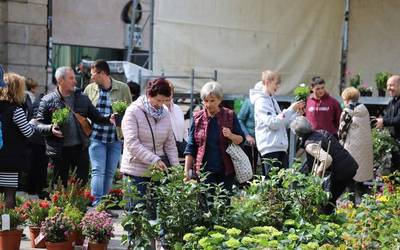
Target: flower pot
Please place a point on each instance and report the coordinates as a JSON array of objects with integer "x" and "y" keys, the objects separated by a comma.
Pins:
[
  {"x": 381, "y": 92},
  {"x": 72, "y": 237},
  {"x": 10, "y": 239},
  {"x": 118, "y": 119},
  {"x": 97, "y": 246},
  {"x": 33, "y": 233},
  {"x": 65, "y": 245},
  {"x": 79, "y": 239},
  {"x": 366, "y": 93}
]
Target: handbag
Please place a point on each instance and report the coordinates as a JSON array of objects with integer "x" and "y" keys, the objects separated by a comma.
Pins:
[
  {"x": 84, "y": 124},
  {"x": 241, "y": 163},
  {"x": 164, "y": 158}
]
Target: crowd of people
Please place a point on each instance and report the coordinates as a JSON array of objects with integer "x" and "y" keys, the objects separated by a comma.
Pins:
[{"x": 154, "y": 135}]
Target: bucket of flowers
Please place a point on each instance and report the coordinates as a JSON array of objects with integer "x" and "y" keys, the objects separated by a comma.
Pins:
[
  {"x": 56, "y": 229},
  {"x": 97, "y": 227},
  {"x": 36, "y": 211}
]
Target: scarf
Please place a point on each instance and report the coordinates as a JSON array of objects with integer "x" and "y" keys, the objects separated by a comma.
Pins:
[{"x": 156, "y": 113}]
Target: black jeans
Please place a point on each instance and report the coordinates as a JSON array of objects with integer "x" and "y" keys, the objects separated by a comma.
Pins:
[
  {"x": 37, "y": 175},
  {"x": 279, "y": 160},
  {"x": 74, "y": 158}
]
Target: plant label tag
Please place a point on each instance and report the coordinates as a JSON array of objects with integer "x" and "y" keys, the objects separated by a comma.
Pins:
[
  {"x": 85, "y": 245},
  {"x": 5, "y": 222},
  {"x": 39, "y": 238}
]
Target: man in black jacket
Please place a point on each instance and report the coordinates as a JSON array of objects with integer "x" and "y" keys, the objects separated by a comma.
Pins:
[
  {"x": 67, "y": 148},
  {"x": 391, "y": 118}
]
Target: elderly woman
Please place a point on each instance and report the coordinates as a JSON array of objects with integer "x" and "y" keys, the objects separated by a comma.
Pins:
[
  {"x": 355, "y": 135},
  {"x": 148, "y": 135},
  {"x": 212, "y": 129},
  {"x": 15, "y": 130},
  {"x": 271, "y": 122},
  {"x": 340, "y": 163}
]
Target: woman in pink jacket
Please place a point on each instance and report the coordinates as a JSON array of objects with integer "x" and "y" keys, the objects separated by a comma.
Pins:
[{"x": 148, "y": 136}]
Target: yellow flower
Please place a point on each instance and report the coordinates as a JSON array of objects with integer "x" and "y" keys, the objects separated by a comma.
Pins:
[{"x": 382, "y": 198}]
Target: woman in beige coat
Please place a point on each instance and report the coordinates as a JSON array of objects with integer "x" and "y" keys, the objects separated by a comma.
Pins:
[{"x": 355, "y": 135}]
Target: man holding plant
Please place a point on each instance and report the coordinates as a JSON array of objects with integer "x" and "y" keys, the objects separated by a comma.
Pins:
[
  {"x": 66, "y": 144},
  {"x": 105, "y": 143}
]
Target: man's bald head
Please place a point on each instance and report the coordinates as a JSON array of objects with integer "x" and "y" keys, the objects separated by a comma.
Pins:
[{"x": 393, "y": 85}]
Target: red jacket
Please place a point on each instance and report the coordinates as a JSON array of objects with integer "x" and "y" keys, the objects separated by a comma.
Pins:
[
  {"x": 225, "y": 119},
  {"x": 324, "y": 113}
]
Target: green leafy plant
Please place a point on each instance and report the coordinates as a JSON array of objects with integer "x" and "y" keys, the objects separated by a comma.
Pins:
[
  {"x": 16, "y": 217},
  {"x": 36, "y": 211},
  {"x": 383, "y": 144},
  {"x": 119, "y": 107},
  {"x": 301, "y": 92},
  {"x": 381, "y": 80},
  {"x": 60, "y": 116},
  {"x": 355, "y": 81},
  {"x": 74, "y": 214}
]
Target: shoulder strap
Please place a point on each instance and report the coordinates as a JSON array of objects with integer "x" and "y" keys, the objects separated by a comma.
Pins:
[{"x": 151, "y": 130}]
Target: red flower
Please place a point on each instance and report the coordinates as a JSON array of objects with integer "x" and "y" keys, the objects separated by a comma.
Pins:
[
  {"x": 26, "y": 205},
  {"x": 55, "y": 197},
  {"x": 88, "y": 195},
  {"x": 116, "y": 191},
  {"x": 44, "y": 204}
]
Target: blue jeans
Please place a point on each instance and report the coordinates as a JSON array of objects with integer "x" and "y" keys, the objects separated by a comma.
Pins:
[{"x": 104, "y": 158}]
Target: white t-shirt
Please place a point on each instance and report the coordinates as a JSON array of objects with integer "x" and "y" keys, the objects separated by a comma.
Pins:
[{"x": 178, "y": 122}]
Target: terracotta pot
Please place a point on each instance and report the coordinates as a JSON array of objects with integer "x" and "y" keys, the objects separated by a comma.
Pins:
[
  {"x": 33, "y": 233},
  {"x": 72, "y": 237},
  {"x": 97, "y": 246},
  {"x": 10, "y": 239},
  {"x": 65, "y": 245},
  {"x": 79, "y": 239}
]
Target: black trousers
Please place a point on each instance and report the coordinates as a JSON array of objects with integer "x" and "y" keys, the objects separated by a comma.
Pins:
[
  {"x": 274, "y": 159},
  {"x": 72, "y": 158},
  {"x": 37, "y": 174},
  {"x": 252, "y": 153}
]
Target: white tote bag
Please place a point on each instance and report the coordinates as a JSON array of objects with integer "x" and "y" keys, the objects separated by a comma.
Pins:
[{"x": 241, "y": 163}]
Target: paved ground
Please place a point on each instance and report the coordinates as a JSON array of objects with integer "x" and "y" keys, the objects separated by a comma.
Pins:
[{"x": 115, "y": 243}]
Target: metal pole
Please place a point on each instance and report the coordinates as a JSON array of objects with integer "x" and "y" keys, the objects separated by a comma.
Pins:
[
  {"x": 151, "y": 36},
  {"x": 215, "y": 75},
  {"x": 191, "y": 94},
  {"x": 131, "y": 30},
  {"x": 345, "y": 47},
  {"x": 140, "y": 80}
]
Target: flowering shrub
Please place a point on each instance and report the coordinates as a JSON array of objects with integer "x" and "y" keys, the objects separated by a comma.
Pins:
[
  {"x": 97, "y": 226},
  {"x": 36, "y": 211},
  {"x": 57, "y": 228},
  {"x": 75, "y": 194}
]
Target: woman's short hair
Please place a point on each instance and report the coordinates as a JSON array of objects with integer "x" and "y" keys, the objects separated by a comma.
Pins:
[
  {"x": 351, "y": 94},
  {"x": 211, "y": 89},
  {"x": 268, "y": 75},
  {"x": 30, "y": 84},
  {"x": 14, "y": 92},
  {"x": 158, "y": 86},
  {"x": 301, "y": 126}
]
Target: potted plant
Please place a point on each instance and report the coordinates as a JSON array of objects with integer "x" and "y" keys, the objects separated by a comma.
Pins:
[
  {"x": 60, "y": 117},
  {"x": 10, "y": 238},
  {"x": 301, "y": 92},
  {"x": 75, "y": 215},
  {"x": 365, "y": 90},
  {"x": 119, "y": 108},
  {"x": 57, "y": 229},
  {"x": 36, "y": 212},
  {"x": 97, "y": 228},
  {"x": 381, "y": 80}
]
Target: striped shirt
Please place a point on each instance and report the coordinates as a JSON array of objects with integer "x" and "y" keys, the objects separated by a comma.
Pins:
[{"x": 10, "y": 179}]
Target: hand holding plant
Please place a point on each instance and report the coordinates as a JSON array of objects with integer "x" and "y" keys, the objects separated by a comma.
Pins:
[
  {"x": 301, "y": 92},
  {"x": 119, "y": 107},
  {"x": 60, "y": 116}
]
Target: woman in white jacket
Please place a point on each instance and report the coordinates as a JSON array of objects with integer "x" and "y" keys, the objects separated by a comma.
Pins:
[
  {"x": 355, "y": 136},
  {"x": 271, "y": 123}
]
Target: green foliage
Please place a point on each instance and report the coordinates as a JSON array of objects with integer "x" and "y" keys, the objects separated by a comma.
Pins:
[
  {"x": 36, "y": 211},
  {"x": 355, "y": 81},
  {"x": 119, "y": 107},
  {"x": 301, "y": 92},
  {"x": 16, "y": 218},
  {"x": 383, "y": 144},
  {"x": 381, "y": 79},
  {"x": 57, "y": 228},
  {"x": 60, "y": 116},
  {"x": 74, "y": 214}
]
